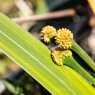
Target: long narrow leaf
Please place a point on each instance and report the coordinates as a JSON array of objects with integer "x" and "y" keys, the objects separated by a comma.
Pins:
[{"x": 34, "y": 57}]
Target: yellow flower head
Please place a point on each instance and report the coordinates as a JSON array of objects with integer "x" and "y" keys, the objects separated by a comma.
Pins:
[
  {"x": 47, "y": 33},
  {"x": 64, "y": 38},
  {"x": 59, "y": 56}
]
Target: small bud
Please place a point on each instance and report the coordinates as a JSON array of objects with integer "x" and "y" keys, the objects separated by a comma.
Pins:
[
  {"x": 59, "y": 56},
  {"x": 64, "y": 38},
  {"x": 47, "y": 33}
]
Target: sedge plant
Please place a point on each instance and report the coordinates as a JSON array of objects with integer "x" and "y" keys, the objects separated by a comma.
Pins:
[
  {"x": 35, "y": 58},
  {"x": 63, "y": 55}
]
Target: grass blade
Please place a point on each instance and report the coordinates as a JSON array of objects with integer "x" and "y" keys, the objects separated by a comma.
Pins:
[{"x": 34, "y": 57}]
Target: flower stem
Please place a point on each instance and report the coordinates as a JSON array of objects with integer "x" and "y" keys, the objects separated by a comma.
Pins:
[
  {"x": 76, "y": 48},
  {"x": 71, "y": 62}
]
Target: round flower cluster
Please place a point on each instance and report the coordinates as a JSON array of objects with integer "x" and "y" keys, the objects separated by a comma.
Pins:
[
  {"x": 47, "y": 33},
  {"x": 64, "y": 38},
  {"x": 59, "y": 56}
]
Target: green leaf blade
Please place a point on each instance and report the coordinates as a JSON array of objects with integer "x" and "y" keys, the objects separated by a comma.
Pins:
[{"x": 34, "y": 57}]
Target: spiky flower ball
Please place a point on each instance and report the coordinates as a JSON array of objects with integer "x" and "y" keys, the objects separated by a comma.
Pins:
[
  {"x": 59, "y": 56},
  {"x": 64, "y": 38},
  {"x": 47, "y": 33}
]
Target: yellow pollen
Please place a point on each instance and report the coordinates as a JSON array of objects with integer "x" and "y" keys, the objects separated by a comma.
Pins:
[
  {"x": 47, "y": 33},
  {"x": 59, "y": 56},
  {"x": 64, "y": 38}
]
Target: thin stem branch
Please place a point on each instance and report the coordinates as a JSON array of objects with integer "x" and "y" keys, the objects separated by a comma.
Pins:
[
  {"x": 71, "y": 62},
  {"x": 76, "y": 48},
  {"x": 51, "y": 15}
]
